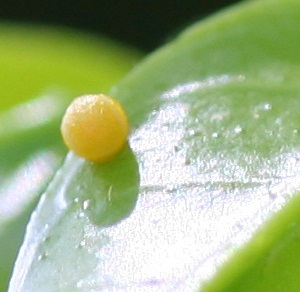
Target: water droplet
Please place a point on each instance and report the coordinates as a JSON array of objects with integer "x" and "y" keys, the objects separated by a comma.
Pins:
[
  {"x": 42, "y": 256},
  {"x": 86, "y": 204},
  {"x": 238, "y": 129},
  {"x": 76, "y": 200},
  {"x": 267, "y": 106},
  {"x": 215, "y": 135},
  {"x": 191, "y": 132},
  {"x": 261, "y": 108},
  {"x": 171, "y": 189},
  {"x": 295, "y": 131},
  {"x": 82, "y": 244},
  {"x": 80, "y": 215}
]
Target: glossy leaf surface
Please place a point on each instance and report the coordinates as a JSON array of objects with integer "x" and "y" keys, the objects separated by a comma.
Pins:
[
  {"x": 46, "y": 63},
  {"x": 215, "y": 117}
]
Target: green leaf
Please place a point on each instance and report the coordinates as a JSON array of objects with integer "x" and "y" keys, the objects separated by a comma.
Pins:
[
  {"x": 215, "y": 133},
  {"x": 53, "y": 65},
  {"x": 81, "y": 195},
  {"x": 270, "y": 262}
]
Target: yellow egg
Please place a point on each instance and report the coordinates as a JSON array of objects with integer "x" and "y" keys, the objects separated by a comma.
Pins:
[{"x": 95, "y": 127}]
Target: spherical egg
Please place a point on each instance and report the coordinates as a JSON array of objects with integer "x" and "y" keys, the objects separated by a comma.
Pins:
[{"x": 95, "y": 127}]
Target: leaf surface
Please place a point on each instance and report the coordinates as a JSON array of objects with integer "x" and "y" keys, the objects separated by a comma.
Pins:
[
  {"x": 215, "y": 136},
  {"x": 46, "y": 64}
]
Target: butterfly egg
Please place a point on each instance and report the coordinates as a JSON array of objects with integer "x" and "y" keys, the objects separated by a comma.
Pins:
[{"x": 95, "y": 127}]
